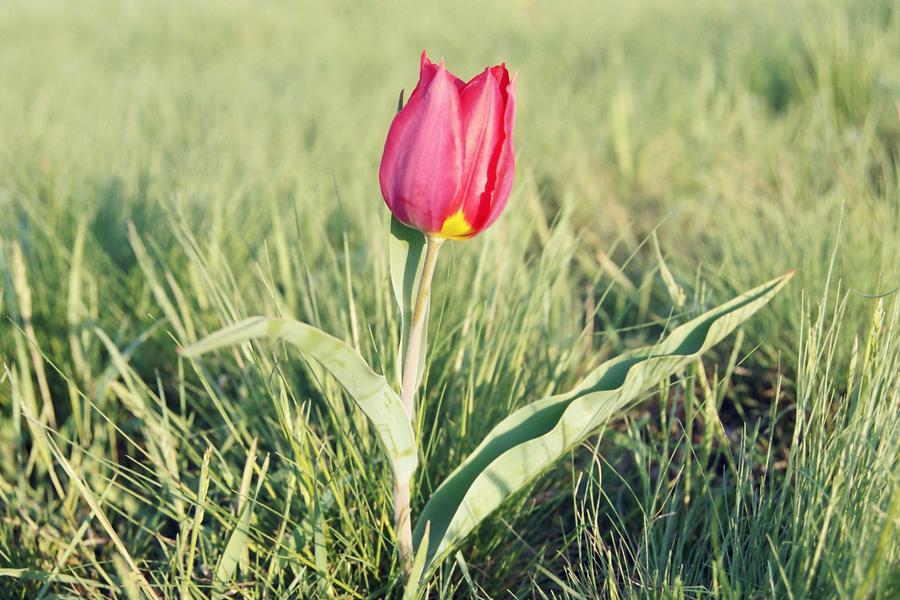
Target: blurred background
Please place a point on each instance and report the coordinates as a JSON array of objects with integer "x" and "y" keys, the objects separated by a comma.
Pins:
[
  {"x": 712, "y": 118},
  {"x": 167, "y": 167}
]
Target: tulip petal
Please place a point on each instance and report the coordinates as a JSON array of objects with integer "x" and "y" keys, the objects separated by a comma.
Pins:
[
  {"x": 482, "y": 114},
  {"x": 488, "y": 110},
  {"x": 504, "y": 170},
  {"x": 421, "y": 167}
]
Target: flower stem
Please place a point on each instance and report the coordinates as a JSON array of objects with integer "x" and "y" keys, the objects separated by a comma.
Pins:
[{"x": 412, "y": 358}]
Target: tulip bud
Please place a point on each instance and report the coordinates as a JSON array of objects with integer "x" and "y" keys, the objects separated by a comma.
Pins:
[{"x": 448, "y": 161}]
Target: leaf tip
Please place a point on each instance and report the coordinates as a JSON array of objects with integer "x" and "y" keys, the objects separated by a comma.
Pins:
[{"x": 784, "y": 279}]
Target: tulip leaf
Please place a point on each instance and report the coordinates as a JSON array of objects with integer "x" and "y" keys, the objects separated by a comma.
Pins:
[
  {"x": 536, "y": 436},
  {"x": 407, "y": 250},
  {"x": 369, "y": 390}
]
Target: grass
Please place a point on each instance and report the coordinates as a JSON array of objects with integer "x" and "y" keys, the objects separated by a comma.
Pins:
[{"x": 169, "y": 168}]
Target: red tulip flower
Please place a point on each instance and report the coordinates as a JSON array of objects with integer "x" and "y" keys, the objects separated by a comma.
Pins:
[{"x": 448, "y": 161}]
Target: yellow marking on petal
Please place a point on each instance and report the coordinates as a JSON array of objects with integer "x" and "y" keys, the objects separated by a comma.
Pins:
[{"x": 456, "y": 226}]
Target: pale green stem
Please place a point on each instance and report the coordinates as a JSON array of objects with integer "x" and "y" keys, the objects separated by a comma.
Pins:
[{"x": 402, "y": 491}]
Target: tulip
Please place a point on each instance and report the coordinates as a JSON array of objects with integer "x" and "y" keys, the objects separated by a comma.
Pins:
[
  {"x": 446, "y": 170},
  {"x": 448, "y": 161}
]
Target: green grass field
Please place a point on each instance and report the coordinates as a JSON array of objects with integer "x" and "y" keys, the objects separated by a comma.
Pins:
[{"x": 167, "y": 168}]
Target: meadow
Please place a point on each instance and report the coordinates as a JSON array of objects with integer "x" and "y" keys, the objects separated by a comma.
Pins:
[{"x": 167, "y": 168}]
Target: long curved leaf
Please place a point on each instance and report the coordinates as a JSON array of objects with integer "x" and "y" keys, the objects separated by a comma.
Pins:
[
  {"x": 371, "y": 391},
  {"x": 407, "y": 252},
  {"x": 534, "y": 437}
]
